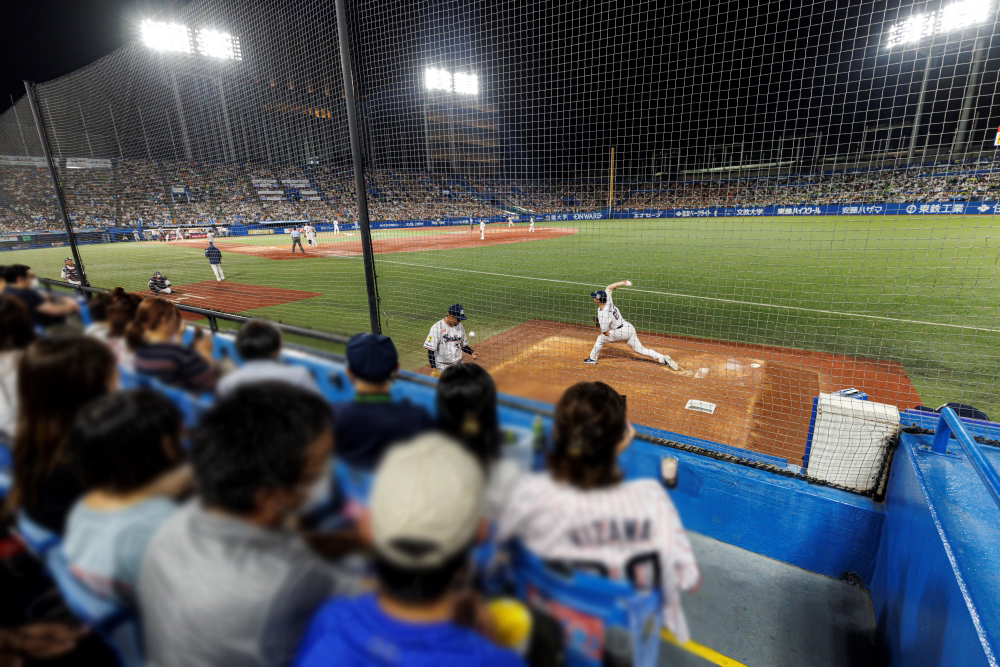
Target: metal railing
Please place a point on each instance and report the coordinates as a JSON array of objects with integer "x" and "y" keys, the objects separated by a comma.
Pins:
[
  {"x": 213, "y": 316},
  {"x": 950, "y": 423}
]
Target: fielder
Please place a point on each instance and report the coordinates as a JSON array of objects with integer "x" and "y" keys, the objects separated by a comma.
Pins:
[
  {"x": 482, "y": 230},
  {"x": 158, "y": 284},
  {"x": 214, "y": 256},
  {"x": 70, "y": 273},
  {"x": 297, "y": 240},
  {"x": 310, "y": 235},
  {"x": 447, "y": 341},
  {"x": 531, "y": 227},
  {"x": 336, "y": 226},
  {"x": 210, "y": 235},
  {"x": 615, "y": 329},
  {"x": 510, "y": 221}
]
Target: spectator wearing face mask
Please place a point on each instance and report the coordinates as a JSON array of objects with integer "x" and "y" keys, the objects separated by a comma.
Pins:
[
  {"x": 46, "y": 310},
  {"x": 226, "y": 580},
  {"x": 154, "y": 334}
]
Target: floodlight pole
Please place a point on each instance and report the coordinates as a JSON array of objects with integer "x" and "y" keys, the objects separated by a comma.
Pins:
[
  {"x": 60, "y": 200},
  {"x": 359, "y": 173},
  {"x": 920, "y": 108}
]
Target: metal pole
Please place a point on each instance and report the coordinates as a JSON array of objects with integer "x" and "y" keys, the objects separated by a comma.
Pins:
[
  {"x": 920, "y": 108},
  {"x": 427, "y": 135},
  {"x": 60, "y": 200},
  {"x": 180, "y": 116},
  {"x": 114, "y": 126},
  {"x": 359, "y": 174},
  {"x": 14, "y": 105},
  {"x": 971, "y": 92},
  {"x": 85, "y": 132}
]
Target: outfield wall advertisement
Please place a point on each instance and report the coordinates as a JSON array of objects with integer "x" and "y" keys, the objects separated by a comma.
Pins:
[{"x": 960, "y": 208}]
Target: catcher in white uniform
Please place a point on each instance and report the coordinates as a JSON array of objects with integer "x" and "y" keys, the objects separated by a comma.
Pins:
[
  {"x": 447, "y": 341},
  {"x": 615, "y": 329}
]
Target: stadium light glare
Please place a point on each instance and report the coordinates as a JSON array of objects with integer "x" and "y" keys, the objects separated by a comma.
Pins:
[
  {"x": 166, "y": 36},
  {"x": 437, "y": 79},
  {"x": 466, "y": 84},
  {"x": 956, "y": 16},
  {"x": 215, "y": 44}
]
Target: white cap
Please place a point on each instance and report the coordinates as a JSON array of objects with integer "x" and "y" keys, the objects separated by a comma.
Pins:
[{"x": 426, "y": 502}]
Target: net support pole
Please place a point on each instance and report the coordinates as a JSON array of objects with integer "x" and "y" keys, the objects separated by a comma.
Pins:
[
  {"x": 60, "y": 200},
  {"x": 611, "y": 182},
  {"x": 359, "y": 173}
]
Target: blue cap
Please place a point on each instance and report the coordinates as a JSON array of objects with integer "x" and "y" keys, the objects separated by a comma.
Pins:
[
  {"x": 600, "y": 295},
  {"x": 371, "y": 357},
  {"x": 457, "y": 311}
]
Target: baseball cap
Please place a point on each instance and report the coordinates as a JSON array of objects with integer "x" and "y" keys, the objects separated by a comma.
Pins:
[
  {"x": 68, "y": 259},
  {"x": 372, "y": 357},
  {"x": 426, "y": 502},
  {"x": 457, "y": 311},
  {"x": 599, "y": 294}
]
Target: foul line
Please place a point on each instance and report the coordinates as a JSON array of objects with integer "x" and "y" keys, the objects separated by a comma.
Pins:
[
  {"x": 706, "y": 298},
  {"x": 701, "y": 651}
]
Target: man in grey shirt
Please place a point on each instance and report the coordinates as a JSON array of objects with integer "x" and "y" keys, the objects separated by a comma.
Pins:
[
  {"x": 259, "y": 343},
  {"x": 225, "y": 581}
]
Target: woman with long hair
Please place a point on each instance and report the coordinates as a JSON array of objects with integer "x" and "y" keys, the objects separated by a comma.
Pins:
[
  {"x": 120, "y": 310},
  {"x": 583, "y": 513},
  {"x": 56, "y": 377},
  {"x": 16, "y": 333},
  {"x": 154, "y": 334}
]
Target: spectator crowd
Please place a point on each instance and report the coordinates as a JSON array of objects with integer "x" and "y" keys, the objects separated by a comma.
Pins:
[
  {"x": 155, "y": 193},
  {"x": 224, "y": 534}
]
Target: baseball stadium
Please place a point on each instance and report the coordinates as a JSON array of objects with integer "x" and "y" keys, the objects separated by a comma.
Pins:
[{"x": 778, "y": 223}]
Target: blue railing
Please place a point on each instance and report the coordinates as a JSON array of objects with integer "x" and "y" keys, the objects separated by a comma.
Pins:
[{"x": 951, "y": 423}]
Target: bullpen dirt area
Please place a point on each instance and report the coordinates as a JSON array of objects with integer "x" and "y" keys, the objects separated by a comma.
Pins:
[
  {"x": 763, "y": 395},
  {"x": 230, "y": 297},
  {"x": 348, "y": 244}
]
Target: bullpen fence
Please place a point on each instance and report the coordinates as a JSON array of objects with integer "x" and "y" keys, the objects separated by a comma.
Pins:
[{"x": 786, "y": 240}]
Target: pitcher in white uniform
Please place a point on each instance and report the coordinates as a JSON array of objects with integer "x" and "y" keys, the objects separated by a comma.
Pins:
[
  {"x": 615, "y": 329},
  {"x": 447, "y": 341},
  {"x": 482, "y": 230}
]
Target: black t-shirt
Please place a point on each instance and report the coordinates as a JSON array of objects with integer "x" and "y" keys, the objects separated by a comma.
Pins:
[
  {"x": 366, "y": 428},
  {"x": 33, "y": 300},
  {"x": 56, "y": 497}
]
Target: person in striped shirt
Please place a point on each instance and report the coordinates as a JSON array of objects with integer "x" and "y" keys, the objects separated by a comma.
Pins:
[
  {"x": 582, "y": 512},
  {"x": 155, "y": 333}
]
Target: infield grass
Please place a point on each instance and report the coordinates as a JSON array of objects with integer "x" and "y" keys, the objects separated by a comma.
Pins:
[{"x": 921, "y": 290}]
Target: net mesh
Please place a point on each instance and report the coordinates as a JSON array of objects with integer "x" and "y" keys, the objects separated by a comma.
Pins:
[{"x": 802, "y": 198}]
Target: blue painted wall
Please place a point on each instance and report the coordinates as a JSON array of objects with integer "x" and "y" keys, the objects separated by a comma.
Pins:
[{"x": 936, "y": 590}]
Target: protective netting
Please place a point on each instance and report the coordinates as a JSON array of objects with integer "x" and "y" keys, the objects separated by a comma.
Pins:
[{"x": 803, "y": 198}]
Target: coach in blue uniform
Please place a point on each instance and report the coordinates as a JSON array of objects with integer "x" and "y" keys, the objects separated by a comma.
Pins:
[
  {"x": 297, "y": 240},
  {"x": 215, "y": 261}
]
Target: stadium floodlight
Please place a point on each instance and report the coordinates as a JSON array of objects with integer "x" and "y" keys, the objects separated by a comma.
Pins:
[
  {"x": 437, "y": 79},
  {"x": 166, "y": 36},
  {"x": 956, "y": 16},
  {"x": 215, "y": 44},
  {"x": 466, "y": 84}
]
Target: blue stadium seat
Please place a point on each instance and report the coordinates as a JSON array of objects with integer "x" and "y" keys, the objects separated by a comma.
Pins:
[
  {"x": 39, "y": 540},
  {"x": 6, "y": 468},
  {"x": 115, "y": 624},
  {"x": 591, "y": 610}
]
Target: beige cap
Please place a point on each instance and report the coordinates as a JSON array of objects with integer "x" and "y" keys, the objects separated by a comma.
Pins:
[{"x": 426, "y": 501}]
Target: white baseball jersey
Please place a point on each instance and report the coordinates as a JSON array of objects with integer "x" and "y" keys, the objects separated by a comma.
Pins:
[
  {"x": 310, "y": 231},
  {"x": 446, "y": 342},
  {"x": 626, "y": 531},
  {"x": 211, "y": 236},
  {"x": 608, "y": 316},
  {"x": 482, "y": 225}
]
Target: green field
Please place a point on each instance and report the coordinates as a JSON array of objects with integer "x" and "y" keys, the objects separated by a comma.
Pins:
[{"x": 918, "y": 290}]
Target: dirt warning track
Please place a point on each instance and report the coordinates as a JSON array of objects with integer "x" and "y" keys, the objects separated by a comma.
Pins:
[
  {"x": 348, "y": 244},
  {"x": 230, "y": 297},
  {"x": 763, "y": 394}
]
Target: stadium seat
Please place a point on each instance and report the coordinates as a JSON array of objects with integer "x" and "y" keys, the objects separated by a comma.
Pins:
[
  {"x": 39, "y": 540},
  {"x": 115, "y": 624},
  {"x": 6, "y": 469},
  {"x": 598, "y": 615}
]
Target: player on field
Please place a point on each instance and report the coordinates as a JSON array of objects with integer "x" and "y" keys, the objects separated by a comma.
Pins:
[
  {"x": 447, "y": 341},
  {"x": 70, "y": 273},
  {"x": 297, "y": 240},
  {"x": 482, "y": 230},
  {"x": 158, "y": 284},
  {"x": 310, "y": 235},
  {"x": 336, "y": 226},
  {"x": 531, "y": 227},
  {"x": 214, "y": 256},
  {"x": 210, "y": 234},
  {"x": 615, "y": 329},
  {"x": 510, "y": 221}
]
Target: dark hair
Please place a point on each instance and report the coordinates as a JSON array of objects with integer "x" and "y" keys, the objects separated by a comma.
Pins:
[
  {"x": 122, "y": 442},
  {"x": 14, "y": 272},
  {"x": 98, "y": 306},
  {"x": 55, "y": 378},
  {"x": 255, "y": 438},
  {"x": 419, "y": 586},
  {"x": 257, "y": 339},
  {"x": 467, "y": 410},
  {"x": 16, "y": 329},
  {"x": 148, "y": 315},
  {"x": 121, "y": 311},
  {"x": 589, "y": 424}
]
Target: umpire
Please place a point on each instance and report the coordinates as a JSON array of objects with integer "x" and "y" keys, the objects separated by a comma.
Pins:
[
  {"x": 297, "y": 240},
  {"x": 214, "y": 256}
]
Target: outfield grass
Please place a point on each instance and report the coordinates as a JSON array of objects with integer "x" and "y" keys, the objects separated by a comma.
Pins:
[{"x": 918, "y": 290}]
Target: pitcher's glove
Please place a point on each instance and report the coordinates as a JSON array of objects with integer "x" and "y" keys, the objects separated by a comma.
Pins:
[{"x": 597, "y": 323}]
